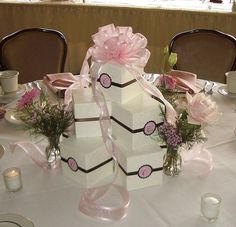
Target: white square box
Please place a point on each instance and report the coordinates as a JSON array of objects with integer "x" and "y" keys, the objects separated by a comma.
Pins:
[
  {"x": 117, "y": 83},
  {"x": 86, "y": 113},
  {"x": 134, "y": 123},
  {"x": 86, "y": 160},
  {"x": 142, "y": 168}
]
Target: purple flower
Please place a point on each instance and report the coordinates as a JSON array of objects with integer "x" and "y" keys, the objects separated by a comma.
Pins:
[
  {"x": 28, "y": 98},
  {"x": 170, "y": 135}
]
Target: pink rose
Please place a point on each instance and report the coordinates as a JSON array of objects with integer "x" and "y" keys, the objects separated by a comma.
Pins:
[
  {"x": 168, "y": 82},
  {"x": 201, "y": 109}
]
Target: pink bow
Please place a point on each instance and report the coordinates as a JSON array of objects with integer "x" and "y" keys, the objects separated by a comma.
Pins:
[
  {"x": 118, "y": 44},
  {"x": 121, "y": 45}
]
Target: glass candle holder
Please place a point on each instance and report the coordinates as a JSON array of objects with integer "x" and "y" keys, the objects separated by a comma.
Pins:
[
  {"x": 210, "y": 206},
  {"x": 12, "y": 179}
]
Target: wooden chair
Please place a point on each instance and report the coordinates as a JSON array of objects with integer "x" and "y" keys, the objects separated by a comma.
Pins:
[
  {"x": 33, "y": 52},
  {"x": 208, "y": 53}
]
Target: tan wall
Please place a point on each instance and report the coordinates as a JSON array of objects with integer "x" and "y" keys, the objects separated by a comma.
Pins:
[{"x": 78, "y": 22}]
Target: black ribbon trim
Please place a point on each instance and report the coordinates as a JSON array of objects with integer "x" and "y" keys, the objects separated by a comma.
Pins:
[
  {"x": 120, "y": 85},
  {"x": 129, "y": 129},
  {"x": 91, "y": 169},
  {"x": 136, "y": 172},
  {"x": 117, "y": 121},
  {"x": 159, "y": 100},
  {"x": 87, "y": 119}
]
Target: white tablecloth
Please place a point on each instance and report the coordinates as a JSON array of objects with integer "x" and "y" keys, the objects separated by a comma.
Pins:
[{"x": 50, "y": 199}]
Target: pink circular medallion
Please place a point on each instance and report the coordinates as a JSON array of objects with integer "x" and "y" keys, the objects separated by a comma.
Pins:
[
  {"x": 72, "y": 164},
  {"x": 145, "y": 171},
  {"x": 105, "y": 80},
  {"x": 149, "y": 128}
]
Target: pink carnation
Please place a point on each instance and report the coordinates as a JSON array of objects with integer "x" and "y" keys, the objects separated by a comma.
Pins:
[
  {"x": 168, "y": 82},
  {"x": 28, "y": 98}
]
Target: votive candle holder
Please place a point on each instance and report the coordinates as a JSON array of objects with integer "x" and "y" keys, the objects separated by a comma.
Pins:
[{"x": 12, "y": 179}]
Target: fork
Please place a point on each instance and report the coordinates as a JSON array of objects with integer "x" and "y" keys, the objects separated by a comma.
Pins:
[
  {"x": 210, "y": 92},
  {"x": 204, "y": 89}
]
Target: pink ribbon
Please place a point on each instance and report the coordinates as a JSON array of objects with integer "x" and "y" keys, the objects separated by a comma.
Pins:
[
  {"x": 199, "y": 155},
  {"x": 117, "y": 44},
  {"x": 82, "y": 82},
  {"x": 35, "y": 154},
  {"x": 89, "y": 204}
]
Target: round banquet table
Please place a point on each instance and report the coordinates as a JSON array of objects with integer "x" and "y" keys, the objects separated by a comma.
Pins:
[{"x": 50, "y": 199}]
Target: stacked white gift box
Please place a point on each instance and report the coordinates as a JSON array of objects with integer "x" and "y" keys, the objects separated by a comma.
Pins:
[{"x": 134, "y": 116}]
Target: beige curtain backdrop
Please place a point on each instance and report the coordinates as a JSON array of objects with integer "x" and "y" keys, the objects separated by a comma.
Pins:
[{"x": 78, "y": 22}]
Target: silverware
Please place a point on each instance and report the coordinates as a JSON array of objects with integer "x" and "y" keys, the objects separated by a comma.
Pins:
[
  {"x": 36, "y": 84},
  {"x": 204, "y": 89},
  {"x": 210, "y": 91},
  {"x": 208, "y": 87},
  {"x": 29, "y": 85}
]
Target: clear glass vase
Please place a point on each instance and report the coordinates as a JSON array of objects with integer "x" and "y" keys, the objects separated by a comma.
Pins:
[
  {"x": 172, "y": 162},
  {"x": 53, "y": 152}
]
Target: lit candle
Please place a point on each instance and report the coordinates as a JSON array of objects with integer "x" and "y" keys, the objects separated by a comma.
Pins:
[
  {"x": 12, "y": 179},
  {"x": 210, "y": 206}
]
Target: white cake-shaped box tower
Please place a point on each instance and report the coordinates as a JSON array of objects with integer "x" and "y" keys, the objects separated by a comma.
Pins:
[
  {"x": 134, "y": 120},
  {"x": 134, "y": 117}
]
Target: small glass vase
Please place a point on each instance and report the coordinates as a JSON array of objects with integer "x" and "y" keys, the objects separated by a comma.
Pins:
[
  {"x": 53, "y": 152},
  {"x": 172, "y": 162}
]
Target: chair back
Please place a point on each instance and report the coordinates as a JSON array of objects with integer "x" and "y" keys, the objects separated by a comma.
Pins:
[
  {"x": 33, "y": 52},
  {"x": 208, "y": 53}
]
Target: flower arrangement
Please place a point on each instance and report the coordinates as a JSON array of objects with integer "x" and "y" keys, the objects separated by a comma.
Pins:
[
  {"x": 194, "y": 111},
  {"x": 193, "y": 114},
  {"x": 42, "y": 117}
]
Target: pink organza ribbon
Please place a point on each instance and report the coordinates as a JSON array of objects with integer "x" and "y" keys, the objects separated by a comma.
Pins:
[
  {"x": 117, "y": 44},
  {"x": 34, "y": 153},
  {"x": 89, "y": 204},
  {"x": 201, "y": 157}
]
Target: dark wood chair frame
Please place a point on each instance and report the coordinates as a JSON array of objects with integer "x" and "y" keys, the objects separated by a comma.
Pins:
[
  {"x": 46, "y": 30},
  {"x": 222, "y": 34}
]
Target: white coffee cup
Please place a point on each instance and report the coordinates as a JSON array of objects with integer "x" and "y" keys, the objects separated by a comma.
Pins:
[
  {"x": 231, "y": 81},
  {"x": 9, "y": 80}
]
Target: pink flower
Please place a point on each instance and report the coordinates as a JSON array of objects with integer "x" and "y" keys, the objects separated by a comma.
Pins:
[
  {"x": 28, "y": 98},
  {"x": 168, "y": 82},
  {"x": 201, "y": 109}
]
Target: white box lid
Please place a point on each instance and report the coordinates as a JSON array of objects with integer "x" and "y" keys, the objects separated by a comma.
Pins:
[{"x": 137, "y": 112}]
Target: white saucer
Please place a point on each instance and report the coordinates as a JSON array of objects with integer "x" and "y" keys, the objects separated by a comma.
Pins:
[
  {"x": 14, "y": 220},
  {"x": 20, "y": 90},
  {"x": 9, "y": 116},
  {"x": 223, "y": 91}
]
